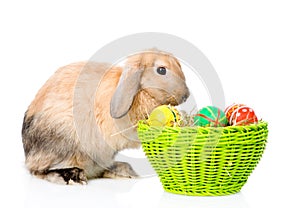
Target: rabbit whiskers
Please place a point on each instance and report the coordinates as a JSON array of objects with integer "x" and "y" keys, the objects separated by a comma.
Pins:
[
  {"x": 145, "y": 116},
  {"x": 124, "y": 130}
]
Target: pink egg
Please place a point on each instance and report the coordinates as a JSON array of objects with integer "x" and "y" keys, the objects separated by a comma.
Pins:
[{"x": 229, "y": 110}]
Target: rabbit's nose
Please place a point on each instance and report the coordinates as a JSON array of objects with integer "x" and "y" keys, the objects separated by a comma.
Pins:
[{"x": 185, "y": 97}]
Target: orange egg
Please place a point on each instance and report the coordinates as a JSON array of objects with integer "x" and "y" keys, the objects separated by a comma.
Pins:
[{"x": 243, "y": 115}]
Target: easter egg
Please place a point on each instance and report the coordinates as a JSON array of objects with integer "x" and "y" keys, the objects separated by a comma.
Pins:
[
  {"x": 243, "y": 115},
  {"x": 210, "y": 116},
  {"x": 164, "y": 116},
  {"x": 229, "y": 110}
]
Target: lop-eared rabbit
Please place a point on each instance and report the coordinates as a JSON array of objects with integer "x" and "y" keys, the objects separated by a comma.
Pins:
[{"x": 87, "y": 112}]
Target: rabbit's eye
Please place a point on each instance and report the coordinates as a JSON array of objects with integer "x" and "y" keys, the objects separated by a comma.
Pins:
[{"x": 161, "y": 70}]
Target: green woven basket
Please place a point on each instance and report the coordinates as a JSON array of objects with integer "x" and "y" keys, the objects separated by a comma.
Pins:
[{"x": 203, "y": 161}]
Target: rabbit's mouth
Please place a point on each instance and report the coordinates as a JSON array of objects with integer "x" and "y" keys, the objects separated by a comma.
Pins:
[{"x": 172, "y": 101}]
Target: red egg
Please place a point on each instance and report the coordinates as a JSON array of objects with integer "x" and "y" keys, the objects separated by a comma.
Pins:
[
  {"x": 243, "y": 116},
  {"x": 229, "y": 110}
]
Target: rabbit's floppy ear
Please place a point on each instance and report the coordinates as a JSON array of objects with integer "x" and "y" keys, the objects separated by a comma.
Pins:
[{"x": 128, "y": 86}]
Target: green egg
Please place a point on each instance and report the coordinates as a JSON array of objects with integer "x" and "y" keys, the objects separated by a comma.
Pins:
[{"x": 210, "y": 116}]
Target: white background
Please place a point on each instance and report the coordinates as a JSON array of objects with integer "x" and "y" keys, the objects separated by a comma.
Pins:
[{"x": 253, "y": 45}]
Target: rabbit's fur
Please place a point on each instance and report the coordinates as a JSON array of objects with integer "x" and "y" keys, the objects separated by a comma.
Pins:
[{"x": 87, "y": 112}]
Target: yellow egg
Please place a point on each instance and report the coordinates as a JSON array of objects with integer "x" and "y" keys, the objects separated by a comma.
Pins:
[{"x": 164, "y": 116}]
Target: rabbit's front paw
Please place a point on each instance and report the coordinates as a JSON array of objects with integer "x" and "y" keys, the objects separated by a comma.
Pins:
[{"x": 120, "y": 170}]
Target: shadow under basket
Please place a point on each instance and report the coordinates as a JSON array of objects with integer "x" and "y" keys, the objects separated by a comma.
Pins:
[{"x": 203, "y": 161}]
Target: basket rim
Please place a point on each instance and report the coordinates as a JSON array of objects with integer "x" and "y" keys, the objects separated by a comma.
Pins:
[{"x": 244, "y": 127}]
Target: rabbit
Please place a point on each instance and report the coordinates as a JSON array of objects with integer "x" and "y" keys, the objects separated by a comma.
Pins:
[{"x": 87, "y": 112}]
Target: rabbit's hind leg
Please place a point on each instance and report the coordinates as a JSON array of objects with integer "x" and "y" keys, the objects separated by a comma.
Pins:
[{"x": 66, "y": 176}]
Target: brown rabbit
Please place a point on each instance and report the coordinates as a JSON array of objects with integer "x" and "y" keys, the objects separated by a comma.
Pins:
[{"x": 86, "y": 112}]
